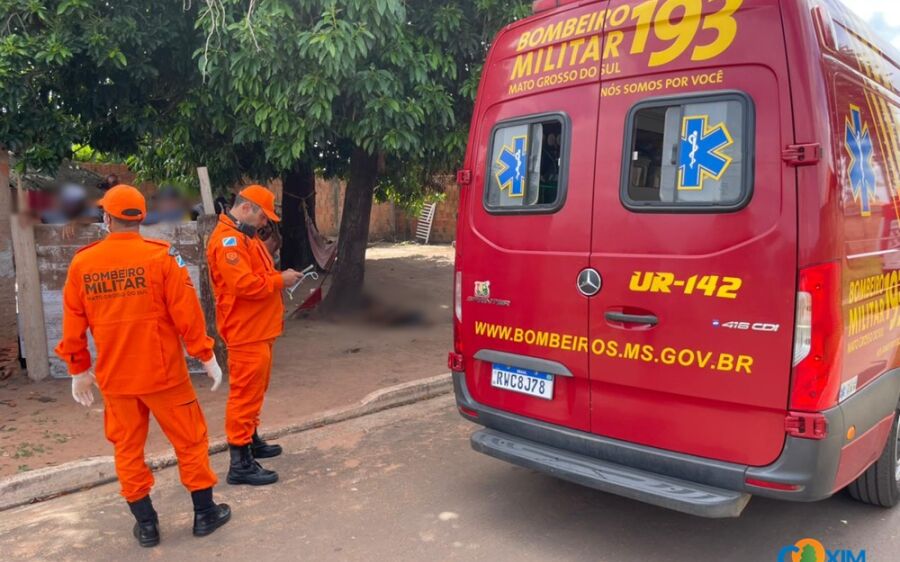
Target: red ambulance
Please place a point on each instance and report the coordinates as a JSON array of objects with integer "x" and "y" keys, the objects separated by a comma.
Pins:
[{"x": 678, "y": 250}]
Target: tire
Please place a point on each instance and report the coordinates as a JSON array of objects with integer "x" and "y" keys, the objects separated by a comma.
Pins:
[{"x": 880, "y": 483}]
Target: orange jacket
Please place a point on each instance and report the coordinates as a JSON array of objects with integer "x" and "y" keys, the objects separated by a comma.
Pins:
[
  {"x": 137, "y": 298},
  {"x": 249, "y": 304}
]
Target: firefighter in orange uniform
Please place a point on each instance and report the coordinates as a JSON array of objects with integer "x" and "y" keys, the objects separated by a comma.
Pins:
[
  {"x": 136, "y": 297},
  {"x": 249, "y": 315}
]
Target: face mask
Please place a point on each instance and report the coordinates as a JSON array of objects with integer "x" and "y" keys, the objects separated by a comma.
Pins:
[{"x": 104, "y": 227}]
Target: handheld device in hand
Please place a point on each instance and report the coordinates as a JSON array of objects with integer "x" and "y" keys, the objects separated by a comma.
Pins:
[{"x": 308, "y": 273}]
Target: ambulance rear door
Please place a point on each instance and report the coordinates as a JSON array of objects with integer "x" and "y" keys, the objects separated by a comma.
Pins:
[
  {"x": 527, "y": 225},
  {"x": 694, "y": 232}
]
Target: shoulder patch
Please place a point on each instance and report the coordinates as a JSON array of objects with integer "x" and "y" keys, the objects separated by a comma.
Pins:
[
  {"x": 229, "y": 241},
  {"x": 173, "y": 252}
]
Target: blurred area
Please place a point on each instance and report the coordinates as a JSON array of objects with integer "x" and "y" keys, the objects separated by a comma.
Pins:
[
  {"x": 68, "y": 196},
  {"x": 167, "y": 205},
  {"x": 71, "y": 203}
]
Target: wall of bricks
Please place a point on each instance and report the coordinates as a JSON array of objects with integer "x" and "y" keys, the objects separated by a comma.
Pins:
[
  {"x": 443, "y": 228},
  {"x": 387, "y": 222},
  {"x": 330, "y": 205}
]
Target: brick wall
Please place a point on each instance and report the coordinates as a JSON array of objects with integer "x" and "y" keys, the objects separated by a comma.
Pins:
[
  {"x": 387, "y": 221},
  {"x": 330, "y": 205},
  {"x": 443, "y": 229}
]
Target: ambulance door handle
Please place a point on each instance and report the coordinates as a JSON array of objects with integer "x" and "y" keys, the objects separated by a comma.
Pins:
[{"x": 642, "y": 319}]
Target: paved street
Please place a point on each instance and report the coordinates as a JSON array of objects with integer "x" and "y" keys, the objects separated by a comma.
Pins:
[{"x": 404, "y": 485}]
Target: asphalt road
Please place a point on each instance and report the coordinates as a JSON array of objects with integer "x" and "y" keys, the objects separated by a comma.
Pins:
[{"x": 404, "y": 485}]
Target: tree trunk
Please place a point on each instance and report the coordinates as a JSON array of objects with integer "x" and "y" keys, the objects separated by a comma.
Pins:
[
  {"x": 349, "y": 271},
  {"x": 298, "y": 185},
  {"x": 9, "y": 334}
]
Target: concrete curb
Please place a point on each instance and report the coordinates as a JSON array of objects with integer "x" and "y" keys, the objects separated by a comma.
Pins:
[{"x": 46, "y": 483}]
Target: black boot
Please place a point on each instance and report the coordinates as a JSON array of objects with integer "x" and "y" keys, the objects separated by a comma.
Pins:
[
  {"x": 245, "y": 470},
  {"x": 208, "y": 516},
  {"x": 146, "y": 530},
  {"x": 261, "y": 449}
]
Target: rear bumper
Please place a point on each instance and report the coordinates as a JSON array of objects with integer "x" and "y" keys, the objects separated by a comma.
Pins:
[
  {"x": 685, "y": 483},
  {"x": 672, "y": 493}
]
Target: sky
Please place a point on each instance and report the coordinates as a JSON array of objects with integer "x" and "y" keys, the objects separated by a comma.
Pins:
[{"x": 882, "y": 15}]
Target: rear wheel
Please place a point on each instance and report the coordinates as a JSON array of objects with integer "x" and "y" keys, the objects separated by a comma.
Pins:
[{"x": 880, "y": 484}]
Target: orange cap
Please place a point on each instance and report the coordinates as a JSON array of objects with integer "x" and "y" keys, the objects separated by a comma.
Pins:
[
  {"x": 262, "y": 197},
  {"x": 124, "y": 202}
]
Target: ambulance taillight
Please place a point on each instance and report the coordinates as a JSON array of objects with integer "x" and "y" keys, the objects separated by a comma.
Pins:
[
  {"x": 817, "y": 339},
  {"x": 802, "y": 327}
]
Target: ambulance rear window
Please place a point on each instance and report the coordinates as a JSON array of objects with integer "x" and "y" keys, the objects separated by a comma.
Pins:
[
  {"x": 527, "y": 165},
  {"x": 689, "y": 154}
]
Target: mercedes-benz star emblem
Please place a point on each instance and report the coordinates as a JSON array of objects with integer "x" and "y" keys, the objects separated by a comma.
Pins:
[{"x": 589, "y": 282}]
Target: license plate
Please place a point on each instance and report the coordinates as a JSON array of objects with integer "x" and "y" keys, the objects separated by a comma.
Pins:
[{"x": 524, "y": 381}]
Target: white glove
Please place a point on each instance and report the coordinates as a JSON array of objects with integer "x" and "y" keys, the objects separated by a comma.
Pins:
[
  {"x": 214, "y": 372},
  {"x": 81, "y": 388}
]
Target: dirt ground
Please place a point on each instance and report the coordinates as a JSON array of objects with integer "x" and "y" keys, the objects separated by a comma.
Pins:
[{"x": 318, "y": 365}]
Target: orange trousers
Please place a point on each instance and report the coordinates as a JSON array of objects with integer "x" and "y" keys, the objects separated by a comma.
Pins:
[
  {"x": 249, "y": 370},
  {"x": 126, "y": 421}
]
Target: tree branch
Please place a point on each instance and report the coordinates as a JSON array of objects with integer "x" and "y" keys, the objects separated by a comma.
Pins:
[
  {"x": 250, "y": 24},
  {"x": 215, "y": 9}
]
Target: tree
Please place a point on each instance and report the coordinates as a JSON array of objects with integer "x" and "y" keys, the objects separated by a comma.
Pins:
[
  {"x": 120, "y": 76},
  {"x": 93, "y": 72},
  {"x": 202, "y": 131},
  {"x": 378, "y": 91}
]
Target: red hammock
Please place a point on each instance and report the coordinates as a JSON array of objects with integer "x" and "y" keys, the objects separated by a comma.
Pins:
[
  {"x": 323, "y": 250},
  {"x": 324, "y": 253}
]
